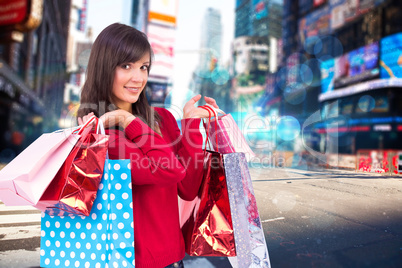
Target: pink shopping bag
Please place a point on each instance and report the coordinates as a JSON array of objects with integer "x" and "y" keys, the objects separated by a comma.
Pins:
[
  {"x": 26, "y": 177},
  {"x": 225, "y": 135},
  {"x": 75, "y": 186}
]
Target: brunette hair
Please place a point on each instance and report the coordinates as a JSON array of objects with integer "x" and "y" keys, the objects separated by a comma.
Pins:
[{"x": 115, "y": 45}]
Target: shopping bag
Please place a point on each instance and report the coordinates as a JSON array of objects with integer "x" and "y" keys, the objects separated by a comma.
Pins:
[
  {"x": 251, "y": 248},
  {"x": 73, "y": 189},
  {"x": 206, "y": 221},
  {"x": 226, "y": 136},
  {"x": 105, "y": 238},
  {"x": 26, "y": 177},
  {"x": 249, "y": 243}
]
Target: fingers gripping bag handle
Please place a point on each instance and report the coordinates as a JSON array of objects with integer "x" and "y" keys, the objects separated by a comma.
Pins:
[
  {"x": 216, "y": 111},
  {"x": 92, "y": 119},
  {"x": 209, "y": 110},
  {"x": 207, "y": 129}
]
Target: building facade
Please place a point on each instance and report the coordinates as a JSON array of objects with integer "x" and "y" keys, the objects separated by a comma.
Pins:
[
  {"x": 343, "y": 73},
  {"x": 32, "y": 73}
]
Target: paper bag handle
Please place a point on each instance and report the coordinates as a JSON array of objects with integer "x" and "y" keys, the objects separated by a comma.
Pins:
[{"x": 209, "y": 110}]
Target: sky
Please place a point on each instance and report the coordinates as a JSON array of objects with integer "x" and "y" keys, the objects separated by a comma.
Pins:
[{"x": 101, "y": 13}]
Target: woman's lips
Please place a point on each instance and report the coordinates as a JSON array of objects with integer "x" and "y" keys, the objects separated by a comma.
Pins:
[{"x": 133, "y": 89}]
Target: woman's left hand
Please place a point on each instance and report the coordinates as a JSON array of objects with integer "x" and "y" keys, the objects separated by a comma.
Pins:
[{"x": 190, "y": 111}]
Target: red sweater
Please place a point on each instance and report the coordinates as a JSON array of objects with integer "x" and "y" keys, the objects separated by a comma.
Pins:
[{"x": 161, "y": 168}]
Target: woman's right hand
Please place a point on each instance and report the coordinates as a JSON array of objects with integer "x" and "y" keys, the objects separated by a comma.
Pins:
[
  {"x": 111, "y": 119},
  {"x": 84, "y": 119},
  {"x": 118, "y": 117}
]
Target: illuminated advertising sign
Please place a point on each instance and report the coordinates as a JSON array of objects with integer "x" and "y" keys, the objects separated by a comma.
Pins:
[
  {"x": 260, "y": 9},
  {"x": 314, "y": 24},
  {"x": 22, "y": 15},
  {"x": 391, "y": 56},
  {"x": 359, "y": 64},
  {"x": 162, "y": 43},
  {"x": 351, "y": 9},
  {"x": 337, "y": 13},
  {"x": 163, "y": 12},
  {"x": 327, "y": 75},
  {"x": 292, "y": 68},
  {"x": 13, "y": 12}
]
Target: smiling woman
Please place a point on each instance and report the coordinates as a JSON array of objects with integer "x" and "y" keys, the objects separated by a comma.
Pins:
[{"x": 164, "y": 164}]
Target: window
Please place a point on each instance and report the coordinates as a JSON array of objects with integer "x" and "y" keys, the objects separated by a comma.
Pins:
[
  {"x": 347, "y": 106},
  {"x": 381, "y": 104}
]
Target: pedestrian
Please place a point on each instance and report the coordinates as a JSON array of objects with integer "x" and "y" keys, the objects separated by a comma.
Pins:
[{"x": 164, "y": 163}]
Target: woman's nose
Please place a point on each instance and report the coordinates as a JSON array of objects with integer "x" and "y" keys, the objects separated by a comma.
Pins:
[{"x": 136, "y": 76}]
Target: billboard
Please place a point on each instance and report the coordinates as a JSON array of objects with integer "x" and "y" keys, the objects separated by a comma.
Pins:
[
  {"x": 13, "y": 12},
  {"x": 162, "y": 42},
  {"x": 163, "y": 12},
  {"x": 351, "y": 9},
  {"x": 22, "y": 15},
  {"x": 327, "y": 75},
  {"x": 357, "y": 65},
  {"x": 260, "y": 9},
  {"x": 391, "y": 56},
  {"x": 337, "y": 13},
  {"x": 314, "y": 24}
]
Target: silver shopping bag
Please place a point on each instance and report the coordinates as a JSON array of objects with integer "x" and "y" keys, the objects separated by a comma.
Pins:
[{"x": 251, "y": 248}]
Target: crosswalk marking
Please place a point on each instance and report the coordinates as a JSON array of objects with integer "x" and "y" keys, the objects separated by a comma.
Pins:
[
  {"x": 10, "y": 233},
  {"x": 18, "y": 208},
  {"x": 19, "y": 218}
]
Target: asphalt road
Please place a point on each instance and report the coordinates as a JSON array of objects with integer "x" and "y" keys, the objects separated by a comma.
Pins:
[
  {"x": 330, "y": 218},
  {"x": 310, "y": 219}
]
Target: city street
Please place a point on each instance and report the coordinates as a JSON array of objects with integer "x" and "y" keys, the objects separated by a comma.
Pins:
[{"x": 322, "y": 218}]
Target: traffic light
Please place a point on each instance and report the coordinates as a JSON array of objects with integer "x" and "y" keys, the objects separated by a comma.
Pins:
[{"x": 212, "y": 64}]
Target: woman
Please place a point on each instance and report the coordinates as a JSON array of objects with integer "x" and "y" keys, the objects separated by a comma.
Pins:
[{"x": 164, "y": 163}]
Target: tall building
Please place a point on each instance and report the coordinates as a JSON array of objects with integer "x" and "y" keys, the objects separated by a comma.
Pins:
[
  {"x": 32, "y": 70},
  {"x": 211, "y": 39},
  {"x": 343, "y": 73},
  {"x": 257, "y": 20}
]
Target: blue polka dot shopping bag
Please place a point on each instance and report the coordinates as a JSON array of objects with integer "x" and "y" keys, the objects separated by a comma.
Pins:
[{"x": 103, "y": 239}]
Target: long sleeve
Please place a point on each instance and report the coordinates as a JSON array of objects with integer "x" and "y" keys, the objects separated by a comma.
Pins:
[
  {"x": 152, "y": 158},
  {"x": 188, "y": 148}
]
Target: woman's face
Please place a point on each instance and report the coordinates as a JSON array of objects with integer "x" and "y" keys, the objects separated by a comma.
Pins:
[{"x": 129, "y": 81}]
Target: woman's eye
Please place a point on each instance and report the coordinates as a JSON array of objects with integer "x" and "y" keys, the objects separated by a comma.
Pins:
[
  {"x": 144, "y": 67},
  {"x": 125, "y": 66}
]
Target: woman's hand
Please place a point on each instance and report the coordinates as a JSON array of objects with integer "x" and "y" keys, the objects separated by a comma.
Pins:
[
  {"x": 110, "y": 119},
  {"x": 190, "y": 111},
  {"x": 117, "y": 118}
]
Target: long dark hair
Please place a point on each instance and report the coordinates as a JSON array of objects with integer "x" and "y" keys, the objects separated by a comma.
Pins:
[{"x": 115, "y": 45}]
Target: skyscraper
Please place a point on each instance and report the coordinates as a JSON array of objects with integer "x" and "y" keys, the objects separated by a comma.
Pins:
[
  {"x": 262, "y": 19},
  {"x": 211, "y": 39}
]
